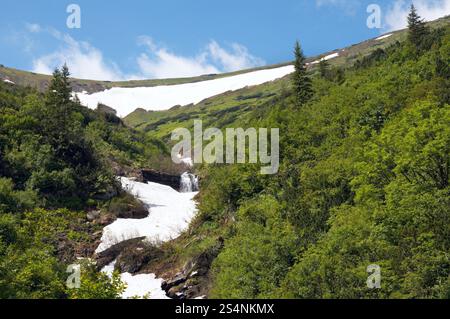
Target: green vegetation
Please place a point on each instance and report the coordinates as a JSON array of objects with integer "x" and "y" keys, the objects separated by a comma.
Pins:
[
  {"x": 363, "y": 180},
  {"x": 417, "y": 29},
  {"x": 300, "y": 78},
  {"x": 56, "y": 160}
]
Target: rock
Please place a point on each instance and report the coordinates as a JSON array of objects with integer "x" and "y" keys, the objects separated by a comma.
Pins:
[
  {"x": 107, "y": 219},
  {"x": 106, "y": 257},
  {"x": 201, "y": 264},
  {"x": 133, "y": 212},
  {"x": 193, "y": 281},
  {"x": 136, "y": 256},
  {"x": 153, "y": 176},
  {"x": 93, "y": 215},
  {"x": 103, "y": 108},
  {"x": 177, "y": 280}
]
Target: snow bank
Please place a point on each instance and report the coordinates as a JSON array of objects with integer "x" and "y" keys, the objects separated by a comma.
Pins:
[
  {"x": 170, "y": 214},
  {"x": 126, "y": 100},
  {"x": 145, "y": 285},
  {"x": 383, "y": 37},
  {"x": 326, "y": 58}
]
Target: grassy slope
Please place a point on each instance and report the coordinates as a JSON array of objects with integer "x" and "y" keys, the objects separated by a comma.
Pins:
[
  {"x": 226, "y": 108},
  {"x": 40, "y": 81}
]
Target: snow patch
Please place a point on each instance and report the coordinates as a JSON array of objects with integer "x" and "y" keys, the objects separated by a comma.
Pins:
[
  {"x": 126, "y": 100},
  {"x": 170, "y": 214},
  {"x": 144, "y": 285},
  {"x": 9, "y": 81},
  {"x": 384, "y": 36},
  {"x": 326, "y": 58}
]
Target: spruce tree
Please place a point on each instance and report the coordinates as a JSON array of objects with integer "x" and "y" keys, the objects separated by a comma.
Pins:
[
  {"x": 324, "y": 68},
  {"x": 60, "y": 109},
  {"x": 417, "y": 28},
  {"x": 301, "y": 80}
]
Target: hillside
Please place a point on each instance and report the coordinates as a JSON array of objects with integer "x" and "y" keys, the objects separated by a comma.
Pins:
[
  {"x": 225, "y": 108},
  {"x": 363, "y": 181}
]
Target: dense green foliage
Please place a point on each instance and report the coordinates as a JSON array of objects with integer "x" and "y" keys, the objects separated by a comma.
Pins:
[
  {"x": 55, "y": 162},
  {"x": 363, "y": 180}
]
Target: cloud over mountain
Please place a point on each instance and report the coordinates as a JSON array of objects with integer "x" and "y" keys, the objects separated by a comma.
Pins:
[{"x": 156, "y": 61}]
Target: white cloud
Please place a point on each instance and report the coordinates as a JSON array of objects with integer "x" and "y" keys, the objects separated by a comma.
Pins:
[
  {"x": 239, "y": 58},
  {"x": 87, "y": 62},
  {"x": 396, "y": 15},
  {"x": 159, "y": 62},
  {"x": 84, "y": 61},
  {"x": 33, "y": 27}
]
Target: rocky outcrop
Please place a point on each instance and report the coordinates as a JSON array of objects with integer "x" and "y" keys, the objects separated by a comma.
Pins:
[
  {"x": 193, "y": 281},
  {"x": 153, "y": 176},
  {"x": 106, "y": 257},
  {"x": 136, "y": 256}
]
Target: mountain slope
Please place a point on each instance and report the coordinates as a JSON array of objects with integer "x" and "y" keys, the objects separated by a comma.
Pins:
[
  {"x": 346, "y": 56},
  {"x": 363, "y": 181},
  {"x": 232, "y": 105}
]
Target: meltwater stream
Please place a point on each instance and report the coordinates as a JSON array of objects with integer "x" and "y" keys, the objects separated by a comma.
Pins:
[{"x": 170, "y": 213}]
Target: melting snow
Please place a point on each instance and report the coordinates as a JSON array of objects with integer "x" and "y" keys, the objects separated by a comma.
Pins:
[
  {"x": 170, "y": 214},
  {"x": 126, "y": 100},
  {"x": 8, "y": 81},
  {"x": 384, "y": 36},
  {"x": 326, "y": 58},
  {"x": 145, "y": 285}
]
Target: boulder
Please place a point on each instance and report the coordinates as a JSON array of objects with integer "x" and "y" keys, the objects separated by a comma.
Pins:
[
  {"x": 104, "y": 258},
  {"x": 136, "y": 256},
  {"x": 153, "y": 176},
  {"x": 133, "y": 212}
]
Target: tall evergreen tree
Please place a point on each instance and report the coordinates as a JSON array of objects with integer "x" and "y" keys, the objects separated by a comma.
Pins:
[
  {"x": 59, "y": 107},
  {"x": 324, "y": 68},
  {"x": 302, "y": 82},
  {"x": 417, "y": 28}
]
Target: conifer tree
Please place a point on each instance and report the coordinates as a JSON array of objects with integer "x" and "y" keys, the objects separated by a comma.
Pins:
[
  {"x": 60, "y": 123},
  {"x": 324, "y": 67},
  {"x": 417, "y": 28},
  {"x": 301, "y": 80}
]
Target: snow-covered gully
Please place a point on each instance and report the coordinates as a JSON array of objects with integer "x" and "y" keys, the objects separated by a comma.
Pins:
[
  {"x": 157, "y": 98},
  {"x": 170, "y": 213}
]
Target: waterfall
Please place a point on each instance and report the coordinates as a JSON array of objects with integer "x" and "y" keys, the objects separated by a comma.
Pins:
[{"x": 188, "y": 183}]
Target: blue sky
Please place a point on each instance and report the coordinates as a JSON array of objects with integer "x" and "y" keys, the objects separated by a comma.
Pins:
[{"x": 157, "y": 39}]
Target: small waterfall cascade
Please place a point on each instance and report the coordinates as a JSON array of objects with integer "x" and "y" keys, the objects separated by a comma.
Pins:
[{"x": 188, "y": 183}]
